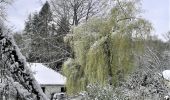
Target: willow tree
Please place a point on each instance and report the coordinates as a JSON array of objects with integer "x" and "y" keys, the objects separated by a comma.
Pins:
[{"x": 105, "y": 48}]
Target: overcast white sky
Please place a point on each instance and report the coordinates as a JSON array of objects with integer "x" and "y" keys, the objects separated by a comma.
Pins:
[{"x": 156, "y": 11}]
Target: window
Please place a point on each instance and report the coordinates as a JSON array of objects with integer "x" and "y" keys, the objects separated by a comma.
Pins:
[
  {"x": 63, "y": 89},
  {"x": 43, "y": 89}
]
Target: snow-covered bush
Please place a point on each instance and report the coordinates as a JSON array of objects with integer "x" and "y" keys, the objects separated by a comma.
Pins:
[
  {"x": 139, "y": 86},
  {"x": 98, "y": 92},
  {"x": 145, "y": 83}
]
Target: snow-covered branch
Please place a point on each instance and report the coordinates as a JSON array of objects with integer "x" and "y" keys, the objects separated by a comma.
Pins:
[{"x": 20, "y": 72}]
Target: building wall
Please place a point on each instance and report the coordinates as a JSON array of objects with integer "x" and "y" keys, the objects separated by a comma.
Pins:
[{"x": 51, "y": 89}]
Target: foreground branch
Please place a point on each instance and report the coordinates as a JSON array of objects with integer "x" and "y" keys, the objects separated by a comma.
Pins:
[{"x": 22, "y": 76}]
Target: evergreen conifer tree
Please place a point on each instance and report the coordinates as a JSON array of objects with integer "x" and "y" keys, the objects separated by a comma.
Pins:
[{"x": 45, "y": 40}]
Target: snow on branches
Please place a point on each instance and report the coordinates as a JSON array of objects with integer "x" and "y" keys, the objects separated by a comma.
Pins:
[{"x": 21, "y": 75}]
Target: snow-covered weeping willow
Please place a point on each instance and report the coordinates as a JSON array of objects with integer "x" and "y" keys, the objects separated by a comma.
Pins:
[{"x": 104, "y": 49}]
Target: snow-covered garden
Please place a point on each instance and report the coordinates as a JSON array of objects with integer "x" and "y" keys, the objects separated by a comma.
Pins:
[{"x": 83, "y": 50}]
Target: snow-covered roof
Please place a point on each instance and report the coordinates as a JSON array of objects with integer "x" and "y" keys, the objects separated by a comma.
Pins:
[
  {"x": 45, "y": 75},
  {"x": 166, "y": 74}
]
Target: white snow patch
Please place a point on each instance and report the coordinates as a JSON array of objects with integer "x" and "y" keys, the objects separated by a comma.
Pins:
[
  {"x": 98, "y": 43},
  {"x": 166, "y": 74},
  {"x": 166, "y": 97},
  {"x": 46, "y": 76},
  {"x": 69, "y": 62}
]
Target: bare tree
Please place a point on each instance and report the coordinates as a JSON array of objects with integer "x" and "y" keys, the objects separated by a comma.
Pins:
[{"x": 77, "y": 10}]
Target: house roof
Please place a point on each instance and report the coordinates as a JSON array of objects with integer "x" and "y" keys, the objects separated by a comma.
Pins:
[
  {"x": 166, "y": 74},
  {"x": 46, "y": 76}
]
